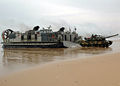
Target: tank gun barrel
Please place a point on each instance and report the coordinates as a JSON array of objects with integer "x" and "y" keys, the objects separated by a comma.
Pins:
[{"x": 112, "y": 36}]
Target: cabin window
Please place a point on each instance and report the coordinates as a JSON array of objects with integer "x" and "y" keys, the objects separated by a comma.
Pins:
[
  {"x": 62, "y": 37},
  {"x": 53, "y": 36},
  {"x": 29, "y": 37},
  {"x": 65, "y": 38},
  {"x": 70, "y": 38},
  {"x": 22, "y": 37},
  {"x": 35, "y": 36}
]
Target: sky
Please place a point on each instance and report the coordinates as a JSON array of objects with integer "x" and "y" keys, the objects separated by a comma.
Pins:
[{"x": 88, "y": 16}]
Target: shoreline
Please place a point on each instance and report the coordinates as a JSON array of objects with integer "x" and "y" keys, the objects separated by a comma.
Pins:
[{"x": 100, "y": 70}]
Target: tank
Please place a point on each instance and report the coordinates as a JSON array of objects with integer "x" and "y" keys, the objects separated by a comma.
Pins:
[
  {"x": 96, "y": 41},
  {"x": 39, "y": 38}
]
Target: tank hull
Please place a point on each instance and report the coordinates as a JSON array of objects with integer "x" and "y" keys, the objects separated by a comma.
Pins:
[
  {"x": 96, "y": 44},
  {"x": 34, "y": 45}
]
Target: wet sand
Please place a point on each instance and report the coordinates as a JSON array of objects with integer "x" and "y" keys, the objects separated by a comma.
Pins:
[{"x": 102, "y": 70}]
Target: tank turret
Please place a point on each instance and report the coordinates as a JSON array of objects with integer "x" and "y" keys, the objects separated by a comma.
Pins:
[{"x": 99, "y": 37}]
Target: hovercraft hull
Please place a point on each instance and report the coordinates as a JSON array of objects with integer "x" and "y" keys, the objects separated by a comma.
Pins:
[{"x": 34, "y": 45}]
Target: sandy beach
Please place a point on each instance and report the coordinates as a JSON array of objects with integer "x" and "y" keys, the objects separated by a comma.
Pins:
[{"x": 102, "y": 70}]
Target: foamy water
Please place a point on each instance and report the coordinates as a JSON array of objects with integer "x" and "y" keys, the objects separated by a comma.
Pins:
[{"x": 15, "y": 59}]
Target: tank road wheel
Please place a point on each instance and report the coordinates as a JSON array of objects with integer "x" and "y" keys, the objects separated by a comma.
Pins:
[
  {"x": 83, "y": 45},
  {"x": 97, "y": 45},
  {"x": 88, "y": 45},
  {"x": 101, "y": 45},
  {"x": 92, "y": 45},
  {"x": 110, "y": 42},
  {"x": 106, "y": 45}
]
